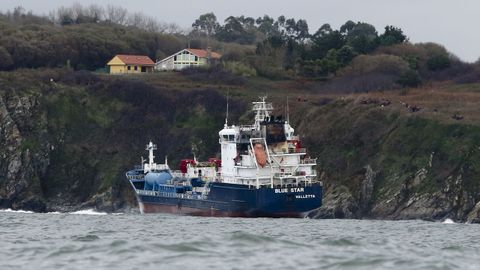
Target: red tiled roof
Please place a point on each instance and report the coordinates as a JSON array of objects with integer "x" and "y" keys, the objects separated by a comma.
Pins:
[
  {"x": 141, "y": 60},
  {"x": 203, "y": 53}
]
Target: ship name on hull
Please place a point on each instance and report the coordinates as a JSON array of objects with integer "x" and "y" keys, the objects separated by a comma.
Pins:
[{"x": 288, "y": 190}]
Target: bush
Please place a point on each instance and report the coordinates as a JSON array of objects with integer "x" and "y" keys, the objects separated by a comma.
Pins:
[
  {"x": 238, "y": 68},
  {"x": 370, "y": 73},
  {"x": 381, "y": 63},
  {"x": 409, "y": 79},
  {"x": 438, "y": 62}
]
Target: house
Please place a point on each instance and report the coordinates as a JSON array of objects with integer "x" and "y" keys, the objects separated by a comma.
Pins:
[
  {"x": 187, "y": 58},
  {"x": 122, "y": 64}
]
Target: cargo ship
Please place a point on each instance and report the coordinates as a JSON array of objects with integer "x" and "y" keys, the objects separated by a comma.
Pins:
[{"x": 263, "y": 171}]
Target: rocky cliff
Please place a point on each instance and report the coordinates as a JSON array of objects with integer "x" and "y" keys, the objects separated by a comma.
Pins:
[
  {"x": 67, "y": 138},
  {"x": 379, "y": 162}
]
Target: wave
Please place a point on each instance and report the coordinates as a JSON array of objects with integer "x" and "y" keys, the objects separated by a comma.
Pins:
[
  {"x": 88, "y": 212},
  {"x": 448, "y": 221},
  {"x": 8, "y": 210}
]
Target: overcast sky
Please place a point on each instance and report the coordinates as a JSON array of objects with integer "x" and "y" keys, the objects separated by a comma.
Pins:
[{"x": 453, "y": 24}]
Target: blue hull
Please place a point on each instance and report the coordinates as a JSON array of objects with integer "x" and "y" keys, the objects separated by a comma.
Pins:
[{"x": 231, "y": 200}]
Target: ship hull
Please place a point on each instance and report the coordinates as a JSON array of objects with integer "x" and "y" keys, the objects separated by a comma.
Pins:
[{"x": 230, "y": 200}]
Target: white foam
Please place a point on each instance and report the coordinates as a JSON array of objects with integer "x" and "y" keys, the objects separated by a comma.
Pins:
[
  {"x": 88, "y": 212},
  {"x": 15, "y": 211},
  {"x": 448, "y": 221}
]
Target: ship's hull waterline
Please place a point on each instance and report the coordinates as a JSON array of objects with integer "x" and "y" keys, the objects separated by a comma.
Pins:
[{"x": 265, "y": 202}]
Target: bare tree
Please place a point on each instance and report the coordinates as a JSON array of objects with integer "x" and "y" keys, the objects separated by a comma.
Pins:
[
  {"x": 96, "y": 12},
  {"x": 116, "y": 14}
]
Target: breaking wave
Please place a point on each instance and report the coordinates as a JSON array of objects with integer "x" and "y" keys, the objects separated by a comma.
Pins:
[
  {"x": 8, "y": 210},
  {"x": 88, "y": 212},
  {"x": 448, "y": 221}
]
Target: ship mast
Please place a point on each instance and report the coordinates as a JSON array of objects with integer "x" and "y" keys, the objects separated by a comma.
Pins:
[
  {"x": 150, "y": 148},
  {"x": 262, "y": 111}
]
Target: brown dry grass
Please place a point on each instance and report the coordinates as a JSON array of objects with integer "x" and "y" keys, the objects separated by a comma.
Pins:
[{"x": 438, "y": 101}]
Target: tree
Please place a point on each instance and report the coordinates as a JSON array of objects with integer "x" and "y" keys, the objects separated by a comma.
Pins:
[
  {"x": 361, "y": 36},
  {"x": 290, "y": 27},
  {"x": 346, "y": 27},
  {"x": 116, "y": 14},
  {"x": 392, "y": 35},
  {"x": 324, "y": 40},
  {"x": 345, "y": 55},
  {"x": 266, "y": 25},
  {"x": 237, "y": 29},
  {"x": 302, "y": 30},
  {"x": 206, "y": 24}
]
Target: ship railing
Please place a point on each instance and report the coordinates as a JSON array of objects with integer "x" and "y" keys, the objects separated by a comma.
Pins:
[
  {"x": 297, "y": 150},
  {"x": 135, "y": 176},
  {"x": 169, "y": 194},
  {"x": 247, "y": 127},
  {"x": 309, "y": 161}
]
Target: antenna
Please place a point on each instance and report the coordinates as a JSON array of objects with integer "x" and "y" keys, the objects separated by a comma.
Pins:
[
  {"x": 226, "y": 115},
  {"x": 288, "y": 112}
]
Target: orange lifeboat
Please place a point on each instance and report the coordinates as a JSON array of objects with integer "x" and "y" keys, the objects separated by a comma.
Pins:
[{"x": 260, "y": 154}]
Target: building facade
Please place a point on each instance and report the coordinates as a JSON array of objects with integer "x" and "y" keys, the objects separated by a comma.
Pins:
[
  {"x": 187, "y": 58},
  {"x": 130, "y": 64}
]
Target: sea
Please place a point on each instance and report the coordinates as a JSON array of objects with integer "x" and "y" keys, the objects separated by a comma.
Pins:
[{"x": 92, "y": 240}]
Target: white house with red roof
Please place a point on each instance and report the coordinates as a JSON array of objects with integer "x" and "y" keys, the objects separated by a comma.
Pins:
[
  {"x": 187, "y": 58},
  {"x": 123, "y": 63}
]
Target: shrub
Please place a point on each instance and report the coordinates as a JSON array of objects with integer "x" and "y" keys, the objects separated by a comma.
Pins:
[
  {"x": 438, "y": 62},
  {"x": 239, "y": 68},
  {"x": 381, "y": 63},
  {"x": 410, "y": 78}
]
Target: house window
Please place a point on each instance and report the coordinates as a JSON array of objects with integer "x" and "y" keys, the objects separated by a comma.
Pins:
[
  {"x": 135, "y": 68},
  {"x": 128, "y": 68},
  {"x": 196, "y": 58},
  {"x": 175, "y": 58}
]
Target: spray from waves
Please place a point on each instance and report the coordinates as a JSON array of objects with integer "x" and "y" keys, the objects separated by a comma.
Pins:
[
  {"x": 8, "y": 210},
  {"x": 88, "y": 212},
  {"x": 448, "y": 221}
]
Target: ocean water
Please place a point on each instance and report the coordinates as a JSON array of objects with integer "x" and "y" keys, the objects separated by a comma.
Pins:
[{"x": 90, "y": 240}]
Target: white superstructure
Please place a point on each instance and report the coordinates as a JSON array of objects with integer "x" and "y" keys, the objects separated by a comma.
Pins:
[{"x": 266, "y": 153}]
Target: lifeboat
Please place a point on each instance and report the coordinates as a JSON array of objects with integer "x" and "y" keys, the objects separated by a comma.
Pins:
[{"x": 260, "y": 154}]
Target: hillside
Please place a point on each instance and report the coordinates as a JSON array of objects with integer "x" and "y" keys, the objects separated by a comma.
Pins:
[{"x": 68, "y": 138}]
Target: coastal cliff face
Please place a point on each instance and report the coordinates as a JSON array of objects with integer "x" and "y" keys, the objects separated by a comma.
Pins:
[
  {"x": 66, "y": 140},
  {"x": 381, "y": 163}
]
